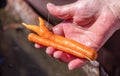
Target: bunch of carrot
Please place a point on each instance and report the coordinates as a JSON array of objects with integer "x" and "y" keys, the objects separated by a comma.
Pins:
[{"x": 44, "y": 37}]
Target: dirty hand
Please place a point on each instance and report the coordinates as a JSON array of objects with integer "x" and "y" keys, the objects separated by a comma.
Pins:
[{"x": 90, "y": 22}]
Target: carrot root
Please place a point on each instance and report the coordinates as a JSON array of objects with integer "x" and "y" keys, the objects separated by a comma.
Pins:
[{"x": 47, "y": 38}]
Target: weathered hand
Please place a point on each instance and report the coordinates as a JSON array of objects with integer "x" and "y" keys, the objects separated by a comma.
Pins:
[{"x": 86, "y": 21}]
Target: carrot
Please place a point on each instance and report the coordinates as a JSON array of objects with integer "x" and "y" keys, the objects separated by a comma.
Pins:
[
  {"x": 46, "y": 42},
  {"x": 47, "y": 38}
]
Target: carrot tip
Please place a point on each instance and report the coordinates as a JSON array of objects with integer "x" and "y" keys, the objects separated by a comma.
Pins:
[
  {"x": 41, "y": 21},
  {"x": 25, "y": 25}
]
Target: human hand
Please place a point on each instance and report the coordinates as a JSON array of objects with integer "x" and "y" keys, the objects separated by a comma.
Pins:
[{"x": 86, "y": 21}]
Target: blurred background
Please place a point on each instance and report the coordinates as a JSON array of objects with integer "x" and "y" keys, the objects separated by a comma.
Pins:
[{"x": 18, "y": 57}]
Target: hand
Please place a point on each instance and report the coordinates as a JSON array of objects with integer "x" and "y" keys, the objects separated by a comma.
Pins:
[{"x": 86, "y": 21}]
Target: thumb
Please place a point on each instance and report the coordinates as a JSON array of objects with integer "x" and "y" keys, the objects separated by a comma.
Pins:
[{"x": 63, "y": 12}]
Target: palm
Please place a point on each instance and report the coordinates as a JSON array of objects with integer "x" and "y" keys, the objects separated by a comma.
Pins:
[{"x": 82, "y": 35}]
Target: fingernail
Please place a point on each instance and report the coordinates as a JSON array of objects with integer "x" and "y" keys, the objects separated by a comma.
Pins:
[
  {"x": 76, "y": 63},
  {"x": 50, "y": 5},
  {"x": 37, "y": 46},
  {"x": 58, "y": 54},
  {"x": 70, "y": 66}
]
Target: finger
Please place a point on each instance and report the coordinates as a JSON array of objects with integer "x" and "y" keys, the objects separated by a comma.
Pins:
[
  {"x": 58, "y": 29},
  {"x": 50, "y": 50},
  {"x": 57, "y": 54},
  {"x": 63, "y": 56},
  {"x": 63, "y": 12},
  {"x": 76, "y": 63},
  {"x": 38, "y": 46}
]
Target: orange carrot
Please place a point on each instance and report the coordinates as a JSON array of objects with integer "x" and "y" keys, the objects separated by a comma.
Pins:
[
  {"x": 47, "y": 38},
  {"x": 46, "y": 42}
]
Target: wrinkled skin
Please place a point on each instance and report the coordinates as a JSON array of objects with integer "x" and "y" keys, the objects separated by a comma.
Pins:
[{"x": 90, "y": 22}]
